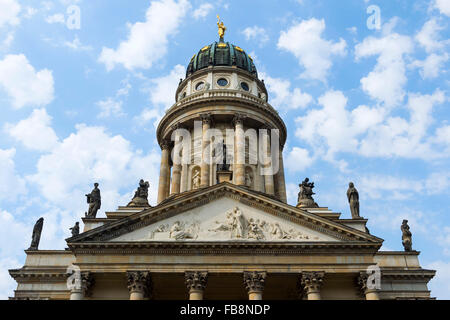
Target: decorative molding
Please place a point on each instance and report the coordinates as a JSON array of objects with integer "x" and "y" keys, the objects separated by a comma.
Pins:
[
  {"x": 254, "y": 281},
  {"x": 196, "y": 280}
]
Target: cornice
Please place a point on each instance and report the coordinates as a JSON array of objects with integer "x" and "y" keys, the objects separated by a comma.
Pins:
[{"x": 224, "y": 248}]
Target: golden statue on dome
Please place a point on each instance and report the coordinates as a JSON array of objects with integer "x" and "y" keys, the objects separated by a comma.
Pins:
[{"x": 221, "y": 27}]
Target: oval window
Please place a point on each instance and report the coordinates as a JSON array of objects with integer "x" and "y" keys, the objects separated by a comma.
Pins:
[
  {"x": 244, "y": 86},
  {"x": 200, "y": 86},
  {"x": 222, "y": 82}
]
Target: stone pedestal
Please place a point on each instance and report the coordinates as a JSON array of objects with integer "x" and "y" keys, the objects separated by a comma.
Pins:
[
  {"x": 310, "y": 283},
  {"x": 224, "y": 176},
  {"x": 139, "y": 284},
  {"x": 196, "y": 284},
  {"x": 254, "y": 282}
]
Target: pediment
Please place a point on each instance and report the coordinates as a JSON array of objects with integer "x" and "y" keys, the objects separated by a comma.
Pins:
[
  {"x": 223, "y": 213},
  {"x": 224, "y": 219}
]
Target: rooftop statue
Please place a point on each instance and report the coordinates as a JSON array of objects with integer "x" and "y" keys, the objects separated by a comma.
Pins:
[
  {"x": 36, "y": 237},
  {"x": 305, "y": 199},
  {"x": 221, "y": 27},
  {"x": 75, "y": 229},
  {"x": 140, "y": 198},
  {"x": 406, "y": 236},
  {"x": 95, "y": 202},
  {"x": 353, "y": 200}
]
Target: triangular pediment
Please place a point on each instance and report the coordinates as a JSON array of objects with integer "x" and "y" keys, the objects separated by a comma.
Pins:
[
  {"x": 225, "y": 219},
  {"x": 223, "y": 213}
]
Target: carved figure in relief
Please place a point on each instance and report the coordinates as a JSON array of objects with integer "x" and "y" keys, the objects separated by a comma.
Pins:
[
  {"x": 254, "y": 231},
  {"x": 238, "y": 224}
]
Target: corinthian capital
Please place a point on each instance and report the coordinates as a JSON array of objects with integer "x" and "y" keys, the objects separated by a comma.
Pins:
[
  {"x": 239, "y": 118},
  {"x": 139, "y": 281},
  {"x": 165, "y": 144},
  {"x": 196, "y": 280},
  {"x": 206, "y": 118},
  {"x": 254, "y": 281},
  {"x": 311, "y": 281}
]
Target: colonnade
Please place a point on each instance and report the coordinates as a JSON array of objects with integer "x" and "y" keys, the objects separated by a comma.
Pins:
[
  {"x": 140, "y": 285},
  {"x": 173, "y": 179}
]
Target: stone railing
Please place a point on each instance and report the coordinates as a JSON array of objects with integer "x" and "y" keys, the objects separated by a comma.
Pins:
[{"x": 211, "y": 94}]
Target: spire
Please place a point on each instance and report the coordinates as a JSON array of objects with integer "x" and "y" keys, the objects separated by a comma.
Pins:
[{"x": 222, "y": 29}]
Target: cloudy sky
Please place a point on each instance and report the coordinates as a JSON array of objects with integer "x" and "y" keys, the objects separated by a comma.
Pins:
[{"x": 364, "y": 92}]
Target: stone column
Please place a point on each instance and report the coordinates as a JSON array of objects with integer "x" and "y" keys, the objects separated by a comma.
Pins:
[
  {"x": 139, "y": 284},
  {"x": 311, "y": 283},
  {"x": 206, "y": 158},
  {"x": 280, "y": 180},
  {"x": 82, "y": 287},
  {"x": 268, "y": 178},
  {"x": 176, "y": 170},
  {"x": 196, "y": 284},
  {"x": 164, "y": 170},
  {"x": 254, "y": 284},
  {"x": 368, "y": 293},
  {"x": 239, "y": 144}
]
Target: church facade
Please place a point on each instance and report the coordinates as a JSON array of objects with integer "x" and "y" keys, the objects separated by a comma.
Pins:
[{"x": 222, "y": 228}]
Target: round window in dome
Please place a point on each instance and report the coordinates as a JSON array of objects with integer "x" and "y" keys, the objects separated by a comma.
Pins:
[
  {"x": 244, "y": 86},
  {"x": 200, "y": 86},
  {"x": 222, "y": 82}
]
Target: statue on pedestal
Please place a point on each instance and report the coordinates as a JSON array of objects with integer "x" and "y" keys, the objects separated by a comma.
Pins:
[
  {"x": 36, "y": 237},
  {"x": 95, "y": 202},
  {"x": 406, "y": 236},
  {"x": 140, "y": 198},
  {"x": 353, "y": 200},
  {"x": 305, "y": 199},
  {"x": 224, "y": 166}
]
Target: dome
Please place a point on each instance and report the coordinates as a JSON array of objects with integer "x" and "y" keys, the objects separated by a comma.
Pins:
[{"x": 221, "y": 54}]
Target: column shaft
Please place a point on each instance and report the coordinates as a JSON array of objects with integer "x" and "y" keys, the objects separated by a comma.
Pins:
[
  {"x": 280, "y": 180},
  {"x": 164, "y": 171},
  {"x": 206, "y": 150},
  {"x": 268, "y": 178},
  {"x": 76, "y": 295},
  {"x": 239, "y": 161}
]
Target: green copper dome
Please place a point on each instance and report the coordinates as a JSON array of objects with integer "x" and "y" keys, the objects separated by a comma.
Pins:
[{"x": 221, "y": 54}]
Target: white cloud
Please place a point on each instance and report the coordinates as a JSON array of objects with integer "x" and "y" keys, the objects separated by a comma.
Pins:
[
  {"x": 203, "y": 10},
  {"x": 147, "y": 41},
  {"x": 385, "y": 83},
  {"x": 77, "y": 45},
  {"x": 333, "y": 128},
  {"x": 162, "y": 95},
  {"x": 90, "y": 154},
  {"x": 9, "y": 11},
  {"x": 110, "y": 108},
  {"x": 314, "y": 53},
  {"x": 56, "y": 18},
  {"x": 443, "y": 6},
  {"x": 402, "y": 138},
  {"x": 23, "y": 84},
  {"x": 298, "y": 159},
  {"x": 428, "y": 38},
  {"x": 34, "y": 132},
  {"x": 256, "y": 33},
  {"x": 281, "y": 95},
  {"x": 11, "y": 184},
  {"x": 441, "y": 282},
  {"x": 432, "y": 66}
]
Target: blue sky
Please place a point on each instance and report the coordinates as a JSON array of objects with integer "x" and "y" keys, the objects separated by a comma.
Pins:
[{"x": 79, "y": 104}]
